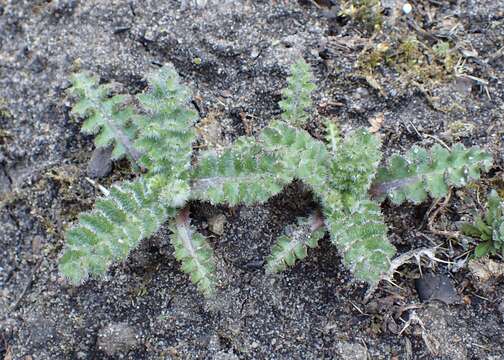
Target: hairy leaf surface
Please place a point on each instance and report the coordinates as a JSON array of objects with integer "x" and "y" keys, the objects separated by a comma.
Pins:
[
  {"x": 294, "y": 243},
  {"x": 421, "y": 172},
  {"x": 166, "y": 131},
  {"x": 129, "y": 213},
  {"x": 360, "y": 235},
  {"x": 107, "y": 117},
  {"x": 194, "y": 253},
  {"x": 296, "y": 103},
  {"x": 243, "y": 173}
]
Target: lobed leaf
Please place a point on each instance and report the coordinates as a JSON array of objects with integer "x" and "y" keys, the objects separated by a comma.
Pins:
[
  {"x": 421, "y": 172},
  {"x": 166, "y": 132},
  {"x": 296, "y": 103},
  {"x": 108, "y": 117},
  {"x": 354, "y": 163},
  {"x": 302, "y": 156},
  {"x": 129, "y": 213},
  {"x": 294, "y": 244},
  {"x": 194, "y": 253},
  {"x": 243, "y": 173},
  {"x": 360, "y": 235}
]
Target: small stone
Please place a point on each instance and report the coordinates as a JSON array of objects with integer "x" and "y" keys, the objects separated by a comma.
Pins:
[
  {"x": 254, "y": 54},
  {"x": 463, "y": 86},
  {"x": 81, "y": 355},
  {"x": 361, "y": 93},
  {"x": 216, "y": 224},
  {"x": 436, "y": 287},
  {"x": 407, "y": 8},
  {"x": 226, "y": 93},
  {"x": 469, "y": 53},
  {"x": 222, "y": 355},
  {"x": 100, "y": 163},
  {"x": 149, "y": 36},
  {"x": 352, "y": 351},
  {"x": 36, "y": 244},
  {"x": 117, "y": 338}
]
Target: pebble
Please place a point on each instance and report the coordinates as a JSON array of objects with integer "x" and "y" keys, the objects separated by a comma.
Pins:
[
  {"x": 407, "y": 8},
  {"x": 37, "y": 244},
  {"x": 216, "y": 224},
  {"x": 117, "y": 338},
  {"x": 100, "y": 164},
  {"x": 351, "y": 351},
  {"x": 436, "y": 287}
]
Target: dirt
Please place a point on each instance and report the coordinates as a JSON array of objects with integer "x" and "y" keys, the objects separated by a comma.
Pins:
[{"x": 235, "y": 55}]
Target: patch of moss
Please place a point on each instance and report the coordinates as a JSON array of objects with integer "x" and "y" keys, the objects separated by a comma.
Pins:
[
  {"x": 367, "y": 13},
  {"x": 458, "y": 129},
  {"x": 415, "y": 61}
]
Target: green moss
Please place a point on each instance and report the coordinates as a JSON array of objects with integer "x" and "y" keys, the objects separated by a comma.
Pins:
[
  {"x": 415, "y": 61},
  {"x": 366, "y": 13}
]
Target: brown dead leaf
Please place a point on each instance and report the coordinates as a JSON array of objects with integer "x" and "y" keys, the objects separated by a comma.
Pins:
[
  {"x": 210, "y": 130},
  {"x": 376, "y": 123},
  {"x": 371, "y": 80},
  {"x": 486, "y": 269},
  {"x": 8, "y": 355}
]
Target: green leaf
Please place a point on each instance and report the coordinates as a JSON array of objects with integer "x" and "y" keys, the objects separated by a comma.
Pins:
[
  {"x": 300, "y": 156},
  {"x": 296, "y": 103},
  {"x": 354, "y": 163},
  {"x": 470, "y": 230},
  {"x": 166, "y": 132},
  {"x": 294, "y": 244},
  {"x": 419, "y": 172},
  {"x": 483, "y": 249},
  {"x": 194, "y": 253},
  {"x": 494, "y": 205},
  {"x": 490, "y": 228},
  {"x": 108, "y": 117},
  {"x": 242, "y": 173},
  {"x": 120, "y": 220},
  {"x": 360, "y": 235}
]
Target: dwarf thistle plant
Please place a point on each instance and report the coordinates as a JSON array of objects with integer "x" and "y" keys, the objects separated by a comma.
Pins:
[{"x": 343, "y": 173}]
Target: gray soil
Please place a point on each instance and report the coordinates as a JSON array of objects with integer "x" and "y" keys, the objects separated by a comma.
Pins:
[{"x": 235, "y": 55}]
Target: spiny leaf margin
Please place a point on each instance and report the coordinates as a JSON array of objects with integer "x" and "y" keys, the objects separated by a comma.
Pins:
[
  {"x": 294, "y": 243},
  {"x": 166, "y": 131},
  {"x": 107, "y": 117},
  {"x": 241, "y": 174},
  {"x": 420, "y": 172},
  {"x": 194, "y": 253},
  {"x": 296, "y": 103},
  {"x": 120, "y": 220}
]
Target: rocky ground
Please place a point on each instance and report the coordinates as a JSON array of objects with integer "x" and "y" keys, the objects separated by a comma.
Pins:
[{"x": 235, "y": 55}]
